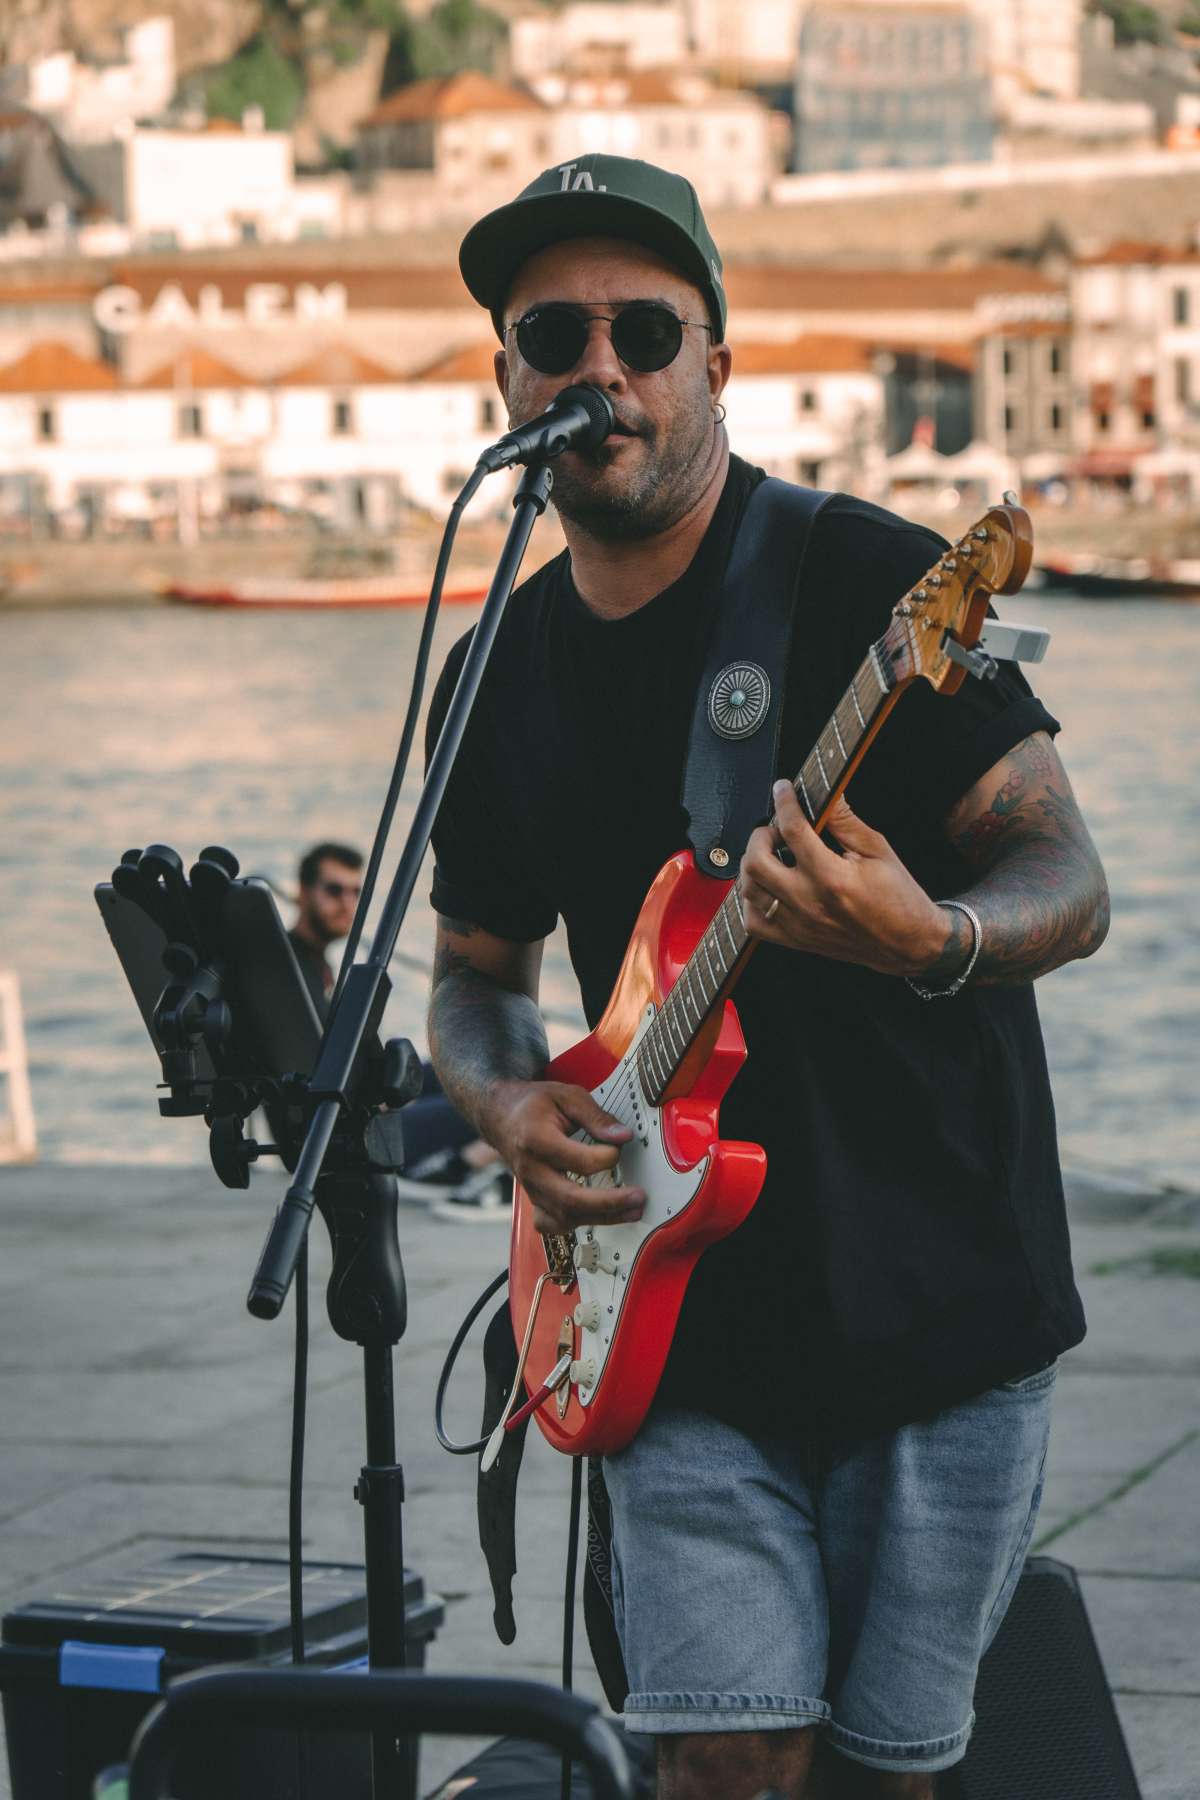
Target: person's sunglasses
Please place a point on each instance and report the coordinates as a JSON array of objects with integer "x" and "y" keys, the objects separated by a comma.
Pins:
[
  {"x": 339, "y": 890},
  {"x": 645, "y": 335}
]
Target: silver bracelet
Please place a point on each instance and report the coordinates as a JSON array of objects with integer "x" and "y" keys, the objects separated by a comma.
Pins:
[{"x": 928, "y": 993}]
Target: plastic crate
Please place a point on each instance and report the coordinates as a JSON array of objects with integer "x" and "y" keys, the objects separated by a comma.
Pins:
[{"x": 79, "y": 1670}]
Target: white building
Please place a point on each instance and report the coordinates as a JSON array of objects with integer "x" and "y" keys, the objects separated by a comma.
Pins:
[
  {"x": 186, "y": 189},
  {"x": 720, "y": 138},
  {"x": 450, "y": 149},
  {"x": 601, "y": 35},
  {"x": 88, "y": 101},
  {"x": 1034, "y": 46}
]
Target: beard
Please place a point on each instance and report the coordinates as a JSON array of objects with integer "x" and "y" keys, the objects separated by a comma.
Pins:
[{"x": 613, "y": 503}]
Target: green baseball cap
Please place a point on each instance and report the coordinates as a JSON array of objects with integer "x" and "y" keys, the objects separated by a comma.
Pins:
[{"x": 594, "y": 196}]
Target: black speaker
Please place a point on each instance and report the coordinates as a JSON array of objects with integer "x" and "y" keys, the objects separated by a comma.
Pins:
[{"x": 1045, "y": 1724}]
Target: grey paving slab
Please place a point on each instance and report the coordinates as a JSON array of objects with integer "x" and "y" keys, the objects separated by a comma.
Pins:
[
  {"x": 1150, "y": 1529},
  {"x": 1163, "y": 1735},
  {"x": 140, "y": 1405},
  {"x": 1150, "y": 1630}
]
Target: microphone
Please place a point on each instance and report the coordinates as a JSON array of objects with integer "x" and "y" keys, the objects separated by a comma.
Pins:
[{"x": 578, "y": 418}]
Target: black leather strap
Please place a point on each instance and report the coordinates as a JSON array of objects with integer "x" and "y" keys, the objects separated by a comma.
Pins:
[{"x": 727, "y": 778}]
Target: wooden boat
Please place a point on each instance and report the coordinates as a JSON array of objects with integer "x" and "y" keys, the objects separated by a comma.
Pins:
[
  {"x": 307, "y": 592},
  {"x": 1121, "y": 578}
]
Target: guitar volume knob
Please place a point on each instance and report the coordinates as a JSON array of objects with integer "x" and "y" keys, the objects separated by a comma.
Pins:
[
  {"x": 583, "y": 1371},
  {"x": 587, "y": 1315},
  {"x": 587, "y": 1256}
]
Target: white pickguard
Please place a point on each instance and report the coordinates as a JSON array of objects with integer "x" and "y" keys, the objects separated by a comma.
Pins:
[{"x": 643, "y": 1163}]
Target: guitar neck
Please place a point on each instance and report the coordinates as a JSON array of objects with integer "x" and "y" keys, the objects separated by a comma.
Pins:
[{"x": 712, "y": 970}]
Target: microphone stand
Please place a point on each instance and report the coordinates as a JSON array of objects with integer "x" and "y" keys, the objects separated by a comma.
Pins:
[{"x": 372, "y": 1310}]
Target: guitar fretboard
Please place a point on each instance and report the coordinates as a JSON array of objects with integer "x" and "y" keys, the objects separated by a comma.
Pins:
[{"x": 711, "y": 968}]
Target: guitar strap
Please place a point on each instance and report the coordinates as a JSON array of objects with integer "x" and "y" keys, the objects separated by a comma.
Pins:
[{"x": 733, "y": 750}]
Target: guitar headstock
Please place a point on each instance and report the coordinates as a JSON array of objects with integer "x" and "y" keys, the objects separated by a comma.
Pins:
[{"x": 951, "y": 599}]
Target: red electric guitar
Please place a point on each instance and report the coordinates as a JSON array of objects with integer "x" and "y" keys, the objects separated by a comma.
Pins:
[{"x": 594, "y": 1310}]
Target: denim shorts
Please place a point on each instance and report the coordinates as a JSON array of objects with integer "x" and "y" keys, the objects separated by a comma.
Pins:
[{"x": 770, "y": 1584}]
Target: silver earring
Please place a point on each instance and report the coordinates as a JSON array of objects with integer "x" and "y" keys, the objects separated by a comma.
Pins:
[{"x": 718, "y": 412}]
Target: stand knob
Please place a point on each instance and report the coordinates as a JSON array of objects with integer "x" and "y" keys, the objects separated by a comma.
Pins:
[{"x": 401, "y": 1076}]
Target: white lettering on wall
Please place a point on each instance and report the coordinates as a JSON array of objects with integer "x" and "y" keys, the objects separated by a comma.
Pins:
[{"x": 119, "y": 309}]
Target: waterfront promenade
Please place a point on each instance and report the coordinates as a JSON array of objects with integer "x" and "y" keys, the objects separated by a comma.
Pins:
[{"x": 140, "y": 1404}]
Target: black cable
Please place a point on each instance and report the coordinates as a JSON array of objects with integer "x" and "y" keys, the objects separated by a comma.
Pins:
[
  {"x": 406, "y": 737},
  {"x": 296, "y": 1496},
  {"x": 569, "y": 1602},
  {"x": 448, "y": 1367},
  {"x": 296, "y": 1482}
]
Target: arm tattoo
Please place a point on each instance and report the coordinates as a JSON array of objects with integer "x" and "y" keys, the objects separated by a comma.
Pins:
[
  {"x": 1040, "y": 891},
  {"x": 481, "y": 1033}
]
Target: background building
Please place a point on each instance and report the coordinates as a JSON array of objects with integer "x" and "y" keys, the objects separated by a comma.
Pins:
[{"x": 891, "y": 86}]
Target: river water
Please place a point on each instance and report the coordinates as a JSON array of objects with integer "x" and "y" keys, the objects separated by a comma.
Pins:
[{"x": 126, "y": 726}]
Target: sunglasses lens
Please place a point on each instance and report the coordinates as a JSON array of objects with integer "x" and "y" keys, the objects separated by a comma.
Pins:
[
  {"x": 552, "y": 340},
  {"x": 647, "y": 337}
]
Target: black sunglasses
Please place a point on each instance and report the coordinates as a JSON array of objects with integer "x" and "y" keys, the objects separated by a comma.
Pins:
[
  {"x": 338, "y": 890},
  {"x": 645, "y": 335}
]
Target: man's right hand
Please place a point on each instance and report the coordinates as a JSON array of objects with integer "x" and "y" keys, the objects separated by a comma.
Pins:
[{"x": 532, "y": 1124}]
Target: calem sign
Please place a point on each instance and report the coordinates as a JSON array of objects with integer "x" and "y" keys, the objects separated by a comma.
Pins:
[{"x": 120, "y": 309}]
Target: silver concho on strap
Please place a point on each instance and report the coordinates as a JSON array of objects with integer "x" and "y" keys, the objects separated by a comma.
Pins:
[{"x": 739, "y": 699}]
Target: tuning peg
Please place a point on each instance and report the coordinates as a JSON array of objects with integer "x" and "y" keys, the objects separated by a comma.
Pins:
[
  {"x": 210, "y": 878},
  {"x": 131, "y": 858},
  {"x": 1011, "y": 499}
]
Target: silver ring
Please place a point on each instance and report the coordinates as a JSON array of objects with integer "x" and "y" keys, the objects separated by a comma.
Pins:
[{"x": 772, "y": 909}]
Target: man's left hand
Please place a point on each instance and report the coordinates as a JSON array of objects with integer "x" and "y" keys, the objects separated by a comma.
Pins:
[{"x": 860, "y": 907}]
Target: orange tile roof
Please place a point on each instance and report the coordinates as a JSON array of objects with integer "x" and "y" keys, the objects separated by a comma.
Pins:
[
  {"x": 196, "y": 368},
  {"x": 51, "y": 368},
  {"x": 651, "y": 87},
  {"x": 419, "y": 287},
  {"x": 775, "y": 286},
  {"x": 42, "y": 293},
  {"x": 473, "y": 362},
  {"x": 816, "y": 354},
  {"x": 336, "y": 365},
  {"x": 1130, "y": 251},
  {"x": 451, "y": 97},
  {"x": 1022, "y": 328}
]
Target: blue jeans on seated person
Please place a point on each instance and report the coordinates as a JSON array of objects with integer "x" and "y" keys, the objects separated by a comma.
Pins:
[{"x": 849, "y": 1584}]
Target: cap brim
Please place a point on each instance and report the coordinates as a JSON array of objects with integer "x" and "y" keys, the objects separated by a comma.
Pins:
[{"x": 496, "y": 247}]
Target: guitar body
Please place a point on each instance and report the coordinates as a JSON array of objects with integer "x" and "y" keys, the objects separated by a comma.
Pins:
[{"x": 698, "y": 1189}]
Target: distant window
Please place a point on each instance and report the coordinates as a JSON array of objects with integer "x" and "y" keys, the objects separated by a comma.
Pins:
[
  {"x": 1010, "y": 418},
  {"x": 1180, "y": 308},
  {"x": 1183, "y": 380},
  {"x": 248, "y": 231},
  {"x": 808, "y": 400},
  {"x": 1007, "y": 362},
  {"x": 47, "y": 425},
  {"x": 164, "y": 240},
  {"x": 1056, "y": 418},
  {"x": 487, "y": 414},
  {"x": 1056, "y": 359},
  {"x": 1147, "y": 419},
  {"x": 1103, "y": 421},
  {"x": 191, "y": 421},
  {"x": 343, "y": 418},
  {"x": 312, "y": 228}
]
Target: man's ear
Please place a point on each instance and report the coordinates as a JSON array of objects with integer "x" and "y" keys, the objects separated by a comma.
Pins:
[
  {"x": 500, "y": 365},
  {"x": 720, "y": 362}
]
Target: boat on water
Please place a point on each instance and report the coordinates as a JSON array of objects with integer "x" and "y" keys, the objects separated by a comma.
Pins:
[
  {"x": 1120, "y": 578},
  {"x": 309, "y": 592}
]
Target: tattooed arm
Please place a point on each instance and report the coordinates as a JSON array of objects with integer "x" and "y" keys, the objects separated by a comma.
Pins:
[
  {"x": 489, "y": 1048},
  {"x": 1039, "y": 890}
]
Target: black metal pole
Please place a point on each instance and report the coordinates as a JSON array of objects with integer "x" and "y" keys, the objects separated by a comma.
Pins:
[
  {"x": 380, "y": 1492},
  {"x": 367, "y": 988}
]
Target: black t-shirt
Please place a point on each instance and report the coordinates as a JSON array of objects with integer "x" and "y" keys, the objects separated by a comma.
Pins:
[{"x": 909, "y": 1247}]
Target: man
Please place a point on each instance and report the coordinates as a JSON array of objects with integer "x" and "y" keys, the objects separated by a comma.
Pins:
[
  {"x": 330, "y": 881},
  {"x": 821, "y": 1522}
]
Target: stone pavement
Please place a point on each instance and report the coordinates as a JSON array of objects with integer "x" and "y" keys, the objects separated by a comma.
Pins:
[{"x": 139, "y": 1403}]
